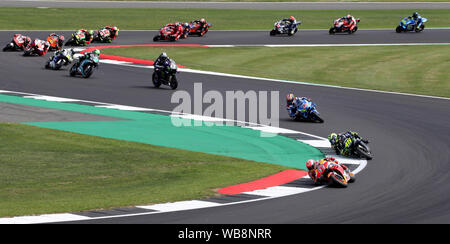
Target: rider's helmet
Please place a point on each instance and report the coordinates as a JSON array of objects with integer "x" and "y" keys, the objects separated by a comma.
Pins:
[
  {"x": 163, "y": 57},
  {"x": 349, "y": 16},
  {"x": 91, "y": 32},
  {"x": 290, "y": 99},
  {"x": 333, "y": 138},
  {"x": 415, "y": 15},
  {"x": 310, "y": 164},
  {"x": 114, "y": 28},
  {"x": 96, "y": 52},
  {"x": 61, "y": 37},
  {"x": 292, "y": 18},
  {"x": 72, "y": 52}
]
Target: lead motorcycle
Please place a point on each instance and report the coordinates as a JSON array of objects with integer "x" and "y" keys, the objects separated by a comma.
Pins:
[
  {"x": 166, "y": 75},
  {"x": 335, "y": 175},
  {"x": 87, "y": 67},
  {"x": 18, "y": 43},
  {"x": 306, "y": 111},
  {"x": 409, "y": 24}
]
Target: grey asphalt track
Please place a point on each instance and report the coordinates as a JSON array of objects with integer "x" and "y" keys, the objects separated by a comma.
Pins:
[
  {"x": 227, "y": 5},
  {"x": 262, "y": 37},
  {"x": 407, "y": 181}
]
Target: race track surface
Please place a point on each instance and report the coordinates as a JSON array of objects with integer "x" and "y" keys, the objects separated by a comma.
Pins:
[
  {"x": 383, "y": 36},
  {"x": 407, "y": 181},
  {"x": 226, "y": 5}
]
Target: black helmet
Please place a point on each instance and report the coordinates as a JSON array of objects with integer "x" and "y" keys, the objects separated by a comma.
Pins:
[{"x": 415, "y": 14}]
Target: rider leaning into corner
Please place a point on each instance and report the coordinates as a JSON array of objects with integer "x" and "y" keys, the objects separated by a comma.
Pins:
[
  {"x": 88, "y": 55},
  {"x": 316, "y": 169},
  {"x": 293, "y": 102},
  {"x": 342, "y": 142},
  {"x": 291, "y": 20}
]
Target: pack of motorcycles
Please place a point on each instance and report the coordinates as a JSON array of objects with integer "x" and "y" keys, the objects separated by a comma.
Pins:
[{"x": 172, "y": 32}]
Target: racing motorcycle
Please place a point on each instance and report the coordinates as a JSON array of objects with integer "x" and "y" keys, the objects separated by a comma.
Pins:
[
  {"x": 78, "y": 39},
  {"x": 36, "y": 47},
  {"x": 195, "y": 28},
  {"x": 335, "y": 174},
  {"x": 167, "y": 75},
  {"x": 283, "y": 27},
  {"x": 339, "y": 26},
  {"x": 56, "y": 41},
  {"x": 18, "y": 43},
  {"x": 307, "y": 111},
  {"x": 61, "y": 59},
  {"x": 409, "y": 24},
  {"x": 87, "y": 67},
  {"x": 103, "y": 35},
  {"x": 358, "y": 148},
  {"x": 169, "y": 32}
]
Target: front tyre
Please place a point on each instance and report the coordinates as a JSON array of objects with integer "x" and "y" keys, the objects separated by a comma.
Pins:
[
  {"x": 338, "y": 180},
  {"x": 332, "y": 31},
  {"x": 155, "y": 80},
  {"x": 398, "y": 29},
  {"x": 173, "y": 82}
]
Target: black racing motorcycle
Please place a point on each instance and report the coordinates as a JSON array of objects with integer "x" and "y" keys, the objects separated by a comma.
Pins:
[
  {"x": 87, "y": 67},
  {"x": 166, "y": 75},
  {"x": 284, "y": 27}
]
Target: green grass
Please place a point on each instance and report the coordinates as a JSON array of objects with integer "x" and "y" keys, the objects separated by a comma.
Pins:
[
  {"x": 409, "y": 69},
  {"x": 145, "y": 19},
  {"x": 49, "y": 171}
]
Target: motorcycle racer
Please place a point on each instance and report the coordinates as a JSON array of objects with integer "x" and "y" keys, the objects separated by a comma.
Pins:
[
  {"x": 317, "y": 169},
  {"x": 160, "y": 63},
  {"x": 201, "y": 22},
  {"x": 40, "y": 46},
  {"x": 293, "y": 103},
  {"x": 114, "y": 32},
  {"x": 291, "y": 20},
  {"x": 88, "y": 55},
  {"x": 66, "y": 53},
  {"x": 342, "y": 142},
  {"x": 89, "y": 36}
]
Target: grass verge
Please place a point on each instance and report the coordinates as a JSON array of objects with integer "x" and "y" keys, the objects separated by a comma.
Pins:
[
  {"x": 222, "y": 19},
  {"x": 409, "y": 69},
  {"x": 49, "y": 171}
]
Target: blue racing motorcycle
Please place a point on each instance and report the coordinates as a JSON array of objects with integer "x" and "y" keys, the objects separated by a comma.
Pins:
[
  {"x": 306, "y": 111},
  {"x": 409, "y": 24}
]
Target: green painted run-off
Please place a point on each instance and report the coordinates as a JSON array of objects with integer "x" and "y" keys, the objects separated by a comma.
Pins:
[{"x": 158, "y": 130}]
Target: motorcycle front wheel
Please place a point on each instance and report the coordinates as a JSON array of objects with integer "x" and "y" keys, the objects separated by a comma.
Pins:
[
  {"x": 338, "y": 180},
  {"x": 155, "y": 80},
  {"x": 173, "y": 82}
]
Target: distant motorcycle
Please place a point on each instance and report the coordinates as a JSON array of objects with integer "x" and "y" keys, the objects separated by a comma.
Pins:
[
  {"x": 18, "y": 43},
  {"x": 62, "y": 58},
  {"x": 341, "y": 26},
  {"x": 196, "y": 28},
  {"x": 166, "y": 75},
  {"x": 307, "y": 111},
  {"x": 87, "y": 67},
  {"x": 37, "y": 47},
  {"x": 409, "y": 24},
  {"x": 78, "y": 39},
  {"x": 56, "y": 41},
  {"x": 284, "y": 27},
  {"x": 169, "y": 32}
]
